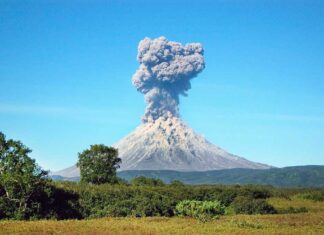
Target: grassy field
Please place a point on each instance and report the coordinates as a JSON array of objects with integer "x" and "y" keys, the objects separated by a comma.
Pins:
[
  {"x": 304, "y": 223},
  {"x": 311, "y": 222}
]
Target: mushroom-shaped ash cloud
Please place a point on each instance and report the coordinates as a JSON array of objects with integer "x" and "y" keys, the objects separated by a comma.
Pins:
[{"x": 165, "y": 71}]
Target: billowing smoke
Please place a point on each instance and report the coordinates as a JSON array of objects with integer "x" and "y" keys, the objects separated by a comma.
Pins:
[{"x": 165, "y": 71}]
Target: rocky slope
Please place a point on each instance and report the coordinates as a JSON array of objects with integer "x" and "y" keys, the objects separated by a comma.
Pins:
[{"x": 168, "y": 144}]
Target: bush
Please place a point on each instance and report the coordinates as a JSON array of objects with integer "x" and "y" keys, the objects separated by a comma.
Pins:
[
  {"x": 154, "y": 204},
  {"x": 247, "y": 205},
  {"x": 144, "y": 181},
  {"x": 255, "y": 192},
  {"x": 202, "y": 210},
  {"x": 314, "y": 196},
  {"x": 176, "y": 183},
  {"x": 61, "y": 204},
  {"x": 226, "y": 197},
  {"x": 119, "y": 209}
]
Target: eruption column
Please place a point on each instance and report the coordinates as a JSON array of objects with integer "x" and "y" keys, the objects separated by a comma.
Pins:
[{"x": 165, "y": 71}]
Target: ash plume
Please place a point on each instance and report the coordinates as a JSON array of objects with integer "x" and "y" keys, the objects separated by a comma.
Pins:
[{"x": 165, "y": 71}]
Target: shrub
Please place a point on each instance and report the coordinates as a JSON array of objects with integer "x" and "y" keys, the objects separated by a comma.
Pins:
[
  {"x": 247, "y": 205},
  {"x": 226, "y": 197},
  {"x": 176, "y": 183},
  {"x": 144, "y": 181},
  {"x": 61, "y": 204},
  {"x": 154, "y": 204},
  {"x": 120, "y": 209},
  {"x": 255, "y": 192},
  {"x": 314, "y": 196},
  {"x": 202, "y": 210}
]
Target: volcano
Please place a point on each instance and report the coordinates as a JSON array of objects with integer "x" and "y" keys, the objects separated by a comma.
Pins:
[
  {"x": 163, "y": 141},
  {"x": 169, "y": 144}
]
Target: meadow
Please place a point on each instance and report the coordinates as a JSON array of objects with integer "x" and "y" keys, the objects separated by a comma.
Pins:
[
  {"x": 303, "y": 223},
  {"x": 288, "y": 220}
]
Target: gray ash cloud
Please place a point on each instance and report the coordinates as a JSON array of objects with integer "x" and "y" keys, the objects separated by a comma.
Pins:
[{"x": 165, "y": 71}]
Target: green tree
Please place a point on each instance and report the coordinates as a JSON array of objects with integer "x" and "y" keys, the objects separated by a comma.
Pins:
[
  {"x": 22, "y": 181},
  {"x": 98, "y": 164}
]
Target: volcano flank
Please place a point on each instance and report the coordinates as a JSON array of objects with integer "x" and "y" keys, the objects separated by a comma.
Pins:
[{"x": 168, "y": 144}]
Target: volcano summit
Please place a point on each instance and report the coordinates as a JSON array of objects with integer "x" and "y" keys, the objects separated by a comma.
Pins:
[{"x": 163, "y": 141}]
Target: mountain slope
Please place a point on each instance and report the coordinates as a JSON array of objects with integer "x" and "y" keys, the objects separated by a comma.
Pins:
[
  {"x": 69, "y": 172},
  {"x": 168, "y": 144}
]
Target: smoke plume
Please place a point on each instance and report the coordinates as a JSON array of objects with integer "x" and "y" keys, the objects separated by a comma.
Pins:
[{"x": 165, "y": 71}]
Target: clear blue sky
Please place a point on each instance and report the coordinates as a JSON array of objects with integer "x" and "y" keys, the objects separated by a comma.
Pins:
[{"x": 66, "y": 68}]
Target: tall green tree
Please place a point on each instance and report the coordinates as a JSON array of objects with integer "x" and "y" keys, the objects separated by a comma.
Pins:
[
  {"x": 21, "y": 180},
  {"x": 98, "y": 164}
]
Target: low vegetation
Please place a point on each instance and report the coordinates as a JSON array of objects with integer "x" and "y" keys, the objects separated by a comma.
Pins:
[
  {"x": 312, "y": 195},
  {"x": 202, "y": 210},
  {"x": 145, "y": 197},
  {"x": 288, "y": 224}
]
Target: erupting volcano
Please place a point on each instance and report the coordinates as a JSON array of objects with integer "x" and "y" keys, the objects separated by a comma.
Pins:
[{"x": 163, "y": 141}]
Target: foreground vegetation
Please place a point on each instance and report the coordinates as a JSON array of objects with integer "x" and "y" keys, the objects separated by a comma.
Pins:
[
  {"x": 108, "y": 204},
  {"x": 303, "y": 223},
  {"x": 310, "y": 222},
  {"x": 145, "y": 197}
]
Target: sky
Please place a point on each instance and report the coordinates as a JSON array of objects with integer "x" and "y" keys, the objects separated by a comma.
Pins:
[{"x": 66, "y": 69}]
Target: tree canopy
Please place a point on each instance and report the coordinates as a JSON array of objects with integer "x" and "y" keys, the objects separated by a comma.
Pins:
[
  {"x": 98, "y": 164},
  {"x": 21, "y": 179}
]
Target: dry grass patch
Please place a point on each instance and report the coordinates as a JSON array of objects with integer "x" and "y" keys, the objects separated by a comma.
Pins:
[
  {"x": 282, "y": 204},
  {"x": 305, "y": 223}
]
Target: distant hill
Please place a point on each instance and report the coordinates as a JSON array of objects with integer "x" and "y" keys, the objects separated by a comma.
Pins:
[{"x": 296, "y": 176}]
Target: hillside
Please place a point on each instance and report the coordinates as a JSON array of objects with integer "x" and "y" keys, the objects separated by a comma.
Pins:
[{"x": 296, "y": 176}]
